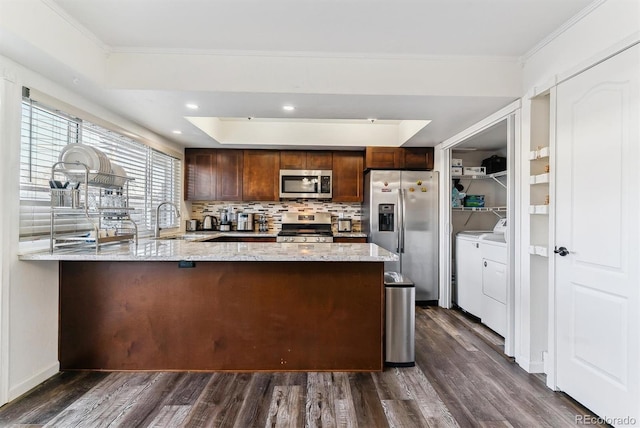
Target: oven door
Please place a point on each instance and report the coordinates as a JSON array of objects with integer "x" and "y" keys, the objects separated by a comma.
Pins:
[{"x": 311, "y": 184}]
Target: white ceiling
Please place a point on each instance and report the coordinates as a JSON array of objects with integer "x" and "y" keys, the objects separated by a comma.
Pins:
[{"x": 501, "y": 30}]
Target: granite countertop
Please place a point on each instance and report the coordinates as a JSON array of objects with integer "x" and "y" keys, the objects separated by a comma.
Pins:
[{"x": 192, "y": 250}]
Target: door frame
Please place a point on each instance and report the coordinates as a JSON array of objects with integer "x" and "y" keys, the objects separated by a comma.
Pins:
[{"x": 510, "y": 113}]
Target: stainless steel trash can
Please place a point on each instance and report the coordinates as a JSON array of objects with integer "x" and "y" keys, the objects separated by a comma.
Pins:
[{"x": 400, "y": 320}]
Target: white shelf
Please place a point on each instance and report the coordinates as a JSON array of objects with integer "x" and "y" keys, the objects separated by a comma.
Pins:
[
  {"x": 539, "y": 250},
  {"x": 541, "y": 153},
  {"x": 538, "y": 209},
  {"x": 482, "y": 176},
  {"x": 539, "y": 179},
  {"x": 480, "y": 209}
]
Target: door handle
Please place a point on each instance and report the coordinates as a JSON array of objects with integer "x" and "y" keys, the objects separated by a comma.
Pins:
[{"x": 562, "y": 251}]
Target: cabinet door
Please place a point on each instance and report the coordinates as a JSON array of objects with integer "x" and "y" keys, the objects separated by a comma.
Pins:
[
  {"x": 200, "y": 176},
  {"x": 260, "y": 175},
  {"x": 229, "y": 175},
  {"x": 347, "y": 177},
  {"x": 293, "y": 159},
  {"x": 418, "y": 158},
  {"x": 344, "y": 239},
  {"x": 384, "y": 158},
  {"x": 319, "y": 160}
]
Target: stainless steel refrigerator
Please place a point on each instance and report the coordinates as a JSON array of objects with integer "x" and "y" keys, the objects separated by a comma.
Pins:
[{"x": 400, "y": 214}]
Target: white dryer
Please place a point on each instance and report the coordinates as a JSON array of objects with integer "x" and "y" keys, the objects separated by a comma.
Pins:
[
  {"x": 481, "y": 274},
  {"x": 493, "y": 250}
]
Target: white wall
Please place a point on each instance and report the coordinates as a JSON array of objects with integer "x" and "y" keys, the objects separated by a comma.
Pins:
[
  {"x": 604, "y": 29},
  {"x": 29, "y": 290}
]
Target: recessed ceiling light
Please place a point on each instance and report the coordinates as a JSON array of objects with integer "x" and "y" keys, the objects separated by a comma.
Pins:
[
  {"x": 371, "y": 119},
  {"x": 192, "y": 106},
  {"x": 177, "y": 131},
  {"x": 288, "y": 108}
]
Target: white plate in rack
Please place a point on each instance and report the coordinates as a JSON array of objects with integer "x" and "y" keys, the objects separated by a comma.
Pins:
[
  {"x": 119, "y": 175},
  {"x": 93, "y": 158}
]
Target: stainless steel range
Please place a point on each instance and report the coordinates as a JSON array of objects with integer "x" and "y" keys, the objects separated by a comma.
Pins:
[{"x": 305, "y": 227}]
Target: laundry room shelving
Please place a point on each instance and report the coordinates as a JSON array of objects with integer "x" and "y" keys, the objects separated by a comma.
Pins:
[{"x": 499, "y": 178}]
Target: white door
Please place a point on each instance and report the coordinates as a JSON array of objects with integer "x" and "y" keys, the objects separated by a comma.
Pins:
[{"x": 597, "y": 218}]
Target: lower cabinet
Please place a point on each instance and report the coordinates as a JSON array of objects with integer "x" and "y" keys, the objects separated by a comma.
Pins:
[
  {"x": 243, "y": 239},
  {"x": 344, "y": 239}
]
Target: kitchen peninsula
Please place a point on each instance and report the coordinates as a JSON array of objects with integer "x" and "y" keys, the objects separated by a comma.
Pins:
[{"x": 239, "y": 306}]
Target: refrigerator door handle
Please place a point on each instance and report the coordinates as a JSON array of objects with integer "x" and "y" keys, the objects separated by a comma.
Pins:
[
  {"x": 398, "y": 223},
  {"x": 402, "y": 214}
]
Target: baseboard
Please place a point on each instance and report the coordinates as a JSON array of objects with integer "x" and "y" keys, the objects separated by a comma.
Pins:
[
  {"x": 35, "y": 380},
  {"x": 530, "y": 366}
]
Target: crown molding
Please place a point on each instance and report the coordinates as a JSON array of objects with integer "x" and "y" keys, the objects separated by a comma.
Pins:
[
  {"x": 77, "y": 25},
  {"x": 562, "y": 29}
]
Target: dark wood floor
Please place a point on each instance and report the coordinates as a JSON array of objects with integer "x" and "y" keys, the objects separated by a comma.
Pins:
[{"x": 461, "y": 379}]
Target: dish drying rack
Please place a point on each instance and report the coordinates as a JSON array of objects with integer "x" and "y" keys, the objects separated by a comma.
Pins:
[{"x": 99, "y": 198}]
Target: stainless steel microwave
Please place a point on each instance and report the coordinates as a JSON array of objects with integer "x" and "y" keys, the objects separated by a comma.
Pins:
[{"x": 305, "y": 183}]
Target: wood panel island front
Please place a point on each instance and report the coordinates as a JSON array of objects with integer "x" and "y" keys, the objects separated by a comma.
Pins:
[{"x": 179, "y": 305}]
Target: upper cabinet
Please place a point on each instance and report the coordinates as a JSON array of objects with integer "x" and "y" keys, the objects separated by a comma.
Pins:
[
  {"x": 348, "y": 176},
  {"x": 298, "y": 159},
  {"x": 229, "y": 167},
  {"x": 200, "y": 175},
  {"x": 212, "y": 174},
  {"x": 254, "y": 175},
  {"x": 383, "y": 158},
  {"x": 260, "y": 175},
  {"x": 399, "y": 158}
]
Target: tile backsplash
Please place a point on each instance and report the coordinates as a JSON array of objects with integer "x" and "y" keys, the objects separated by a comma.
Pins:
[{"x": 273, "y": 210}]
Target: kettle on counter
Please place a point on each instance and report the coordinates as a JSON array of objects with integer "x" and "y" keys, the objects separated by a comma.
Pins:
[{"x": 209, "y": 222}]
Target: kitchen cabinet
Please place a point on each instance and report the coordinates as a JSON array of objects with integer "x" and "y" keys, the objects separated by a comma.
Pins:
[
  {"x": 348, "y": 240},
  {"x": 229, "y": 167},
  {"x": 399, "y": 158},
  {"x": 260, "y": 175},
  {"x": 348, "y": 175},
  {"x": 383, "y": 158},
  {"x": 212, "y": 174},
  {"x": 298, "y": 159},
  {"x": 200, "y": 174},
  {"x": 418, "y": 158},
  {"x": 243, "y": 239}
]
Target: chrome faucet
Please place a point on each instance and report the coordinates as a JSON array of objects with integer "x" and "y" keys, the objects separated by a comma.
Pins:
[{"x": 157, "y": 230}]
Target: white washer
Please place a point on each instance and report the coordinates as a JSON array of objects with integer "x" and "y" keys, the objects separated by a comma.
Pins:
[
  {"x": 472, "y": 249},
  {"x": 469, "y": 271}
]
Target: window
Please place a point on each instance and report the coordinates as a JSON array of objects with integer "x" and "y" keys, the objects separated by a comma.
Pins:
[{"x": 46, "y": 131}]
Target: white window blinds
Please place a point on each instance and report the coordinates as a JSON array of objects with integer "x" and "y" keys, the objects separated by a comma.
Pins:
[{"x": 45, "y": 132}]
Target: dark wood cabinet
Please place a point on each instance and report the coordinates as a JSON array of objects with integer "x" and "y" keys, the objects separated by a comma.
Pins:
[
  {"x": 418, "y": 158},
  {"x": 348, "y": 176},
  {"x": 299, "y": 159},
  {"x": 399, "y": 158},
  {"x": 200, "y": 175},
  {"x": 229, "y": 166},
  {"x": 384, "y": 158},
  {"x": 319, "y": 160},
  {"x": 347, "y": 240},
  {"x": 213, "y": 175},
  {"x": 260, "y": 175}
]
